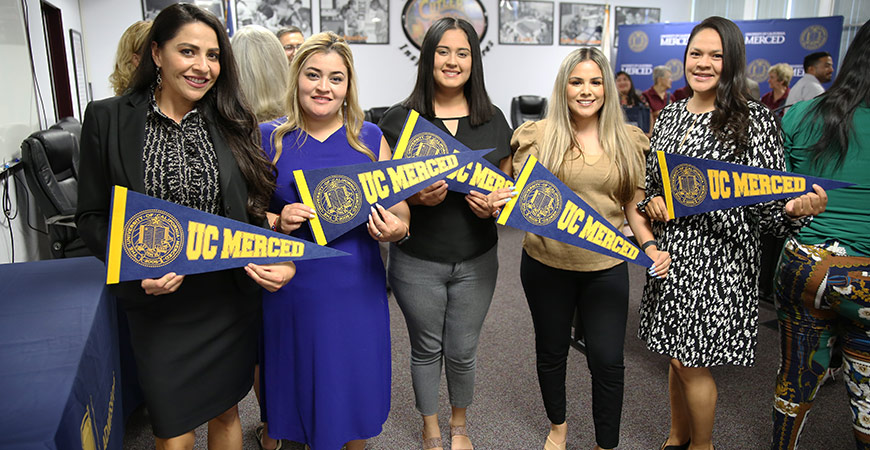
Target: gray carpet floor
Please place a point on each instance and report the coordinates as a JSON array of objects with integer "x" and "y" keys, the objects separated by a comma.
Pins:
[{"x": 508, "y": 412}]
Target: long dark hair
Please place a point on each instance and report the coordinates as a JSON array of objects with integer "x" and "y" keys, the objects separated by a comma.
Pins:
[
  {"x": 633, "y": 98},
  {"x": 730, "y": 120},
  {"x": 479, "y": 106},
  {"x": 223, "y": 102},
  {"x": 836, "y": 107}
]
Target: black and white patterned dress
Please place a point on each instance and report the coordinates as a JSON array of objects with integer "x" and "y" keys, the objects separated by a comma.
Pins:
[{"x": 705, "y": 313}]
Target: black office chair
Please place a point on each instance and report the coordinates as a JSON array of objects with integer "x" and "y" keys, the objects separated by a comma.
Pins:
[
  {"x": 375, "y": 114},
  {"x": 638, "y": 116},
  {"x": 527, "y": 107},
  {"x": 48, "y": 157}
]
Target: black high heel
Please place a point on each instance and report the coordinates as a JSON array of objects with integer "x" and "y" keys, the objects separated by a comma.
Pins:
[{"x": 685, "y": 446}]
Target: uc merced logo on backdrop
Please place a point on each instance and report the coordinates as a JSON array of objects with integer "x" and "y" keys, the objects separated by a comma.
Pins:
[
  {"x": 638, "y": 41},
  {"x": 757, "y": 70},
  {"x": 541, "y": 202},
  {"x": 689, "y": 185},
  {"x": 814, "y": 37},
  {"x": 675, "y": 66},
  {"x": 338, "y": 199},
  {"x": 426, "y": 144},
  {"x": 153, "y": 238}
]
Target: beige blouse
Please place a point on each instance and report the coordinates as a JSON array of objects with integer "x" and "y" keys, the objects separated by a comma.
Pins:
[{"x": 587, "y": 177}]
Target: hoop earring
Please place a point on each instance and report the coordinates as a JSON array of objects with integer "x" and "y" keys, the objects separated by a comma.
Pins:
[{"x": 159, "y": 79}]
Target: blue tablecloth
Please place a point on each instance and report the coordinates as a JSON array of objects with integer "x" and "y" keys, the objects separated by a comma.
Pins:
[{"x": 60, "y": 376}]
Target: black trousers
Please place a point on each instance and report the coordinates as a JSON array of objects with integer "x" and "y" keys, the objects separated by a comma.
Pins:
[{"x": 601, "y": 298}]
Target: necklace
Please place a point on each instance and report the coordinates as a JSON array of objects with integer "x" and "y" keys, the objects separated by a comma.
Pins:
[{"x": 691, "y": 127}]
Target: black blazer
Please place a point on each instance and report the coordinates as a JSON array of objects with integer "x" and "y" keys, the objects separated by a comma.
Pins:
[{"x": 113, "y": 137}]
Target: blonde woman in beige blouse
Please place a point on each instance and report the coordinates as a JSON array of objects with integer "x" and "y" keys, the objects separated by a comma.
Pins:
[{"x": 584, "y": 141}]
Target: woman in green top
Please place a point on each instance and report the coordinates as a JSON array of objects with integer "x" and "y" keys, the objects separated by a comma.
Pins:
[{"x": 823, "y": 287}]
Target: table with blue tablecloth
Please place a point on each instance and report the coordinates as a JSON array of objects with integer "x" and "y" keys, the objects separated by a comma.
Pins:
[{"x": 60, "y": 366}]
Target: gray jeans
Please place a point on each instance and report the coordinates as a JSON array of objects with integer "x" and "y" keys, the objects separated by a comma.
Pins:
[{"x": 444, "y": 306}]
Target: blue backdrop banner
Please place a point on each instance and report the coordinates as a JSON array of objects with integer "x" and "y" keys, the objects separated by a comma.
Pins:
[
  {"x": 696, "y": 185},
  {"x": 342, "y": 196},
  {"x": 768, "y": 42},
  {"x": 149, "y": 238},
  {"x": 547, "y": 207},
  {"x": 420, "y": 138}
]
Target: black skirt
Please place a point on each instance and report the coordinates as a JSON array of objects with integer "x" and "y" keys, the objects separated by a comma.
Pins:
[{"x": 195, "y": 350}]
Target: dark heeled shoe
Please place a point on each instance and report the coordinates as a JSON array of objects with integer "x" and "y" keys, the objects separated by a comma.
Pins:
[{"x": 685, "y": 446}]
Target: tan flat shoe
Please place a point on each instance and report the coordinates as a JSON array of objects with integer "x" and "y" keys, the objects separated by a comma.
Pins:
[
  {"x": 458, "y": 431},
  {"x": 432, "y": 443},
  {"x": 551, "y": 445}
]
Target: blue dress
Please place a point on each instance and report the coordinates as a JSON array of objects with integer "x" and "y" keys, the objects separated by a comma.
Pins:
[{"x": 326, "y": 334}]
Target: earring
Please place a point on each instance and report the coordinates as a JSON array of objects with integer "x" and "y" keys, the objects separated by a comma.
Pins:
[{"x": 159, "y": 79}]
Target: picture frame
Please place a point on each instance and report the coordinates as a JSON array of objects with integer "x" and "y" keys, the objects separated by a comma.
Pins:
[
  {"x": 419, "y": 15},
  {"x": 150, "y": 8},
  {"x": 525, "y": 22},
  {"x": 274, "y": 14},
  {"x": 358, "y": 22},
  {"x": 81, "y": 75},
  {"x": 627, "y": 15},
  {"x": 582, "y": 24}
]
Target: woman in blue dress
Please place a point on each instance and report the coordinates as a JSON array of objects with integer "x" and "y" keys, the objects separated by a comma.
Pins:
[{"x": 326, "y": 341}]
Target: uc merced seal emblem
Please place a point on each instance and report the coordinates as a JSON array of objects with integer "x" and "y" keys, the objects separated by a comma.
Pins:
[
  {"x": 540, "y": 202},
  {"x": 689, "y": 185},
  {"x": 153, "y": 238},
  {"x": 814, "y": 37},
  {"x": 338, "y": 199},
  {"x": 638, "y": 41},
  {"x": 675, "y": 66},
  {"x": 426, "y": 144},
  {"x": 757, "y": 70}
]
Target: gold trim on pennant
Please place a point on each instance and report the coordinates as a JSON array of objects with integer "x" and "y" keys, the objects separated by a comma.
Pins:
[{"x": 116, "y": 235}]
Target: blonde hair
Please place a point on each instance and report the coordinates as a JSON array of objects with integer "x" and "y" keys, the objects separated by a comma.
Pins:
[
  {"x": 627, "y": 162},
  {"x": 130, "y": 44},
  {"x": 783, "y": 72},
  {"x": 263, "y": 71},
  {"x": 351, "y": 111}
]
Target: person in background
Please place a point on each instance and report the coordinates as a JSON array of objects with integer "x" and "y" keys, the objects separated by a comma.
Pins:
[
  {"x": 681, "y": 93},
  {"x": 657, "y": 96},
  {"x": 779, "y": 77},
  {"x": 822, "y": 283},
  {"x": 127, "y": 56},
  {"x": 705, "y": 313},
  {"x": 444, "y": 275},
  {"x": 586, "y": 143},
  {"x": 263, "y": 76},
  {"x": 291, "y": 38},
  {"x": 818, "y": 69},
  {"x": 753, "y": 90},
  {"x": 183, "y": 133},
  {"x": 326, "y": 342},
  {"x": 627, "y": 93}
]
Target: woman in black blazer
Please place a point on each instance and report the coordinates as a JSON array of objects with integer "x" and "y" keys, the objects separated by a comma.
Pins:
[{"x": 183, "y": 134}]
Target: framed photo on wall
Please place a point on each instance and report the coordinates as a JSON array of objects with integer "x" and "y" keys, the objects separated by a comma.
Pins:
[
  {"x": 419, "y": 15},
  {"x": 274, "y": 14},
  {"x": 359, "y": 22},
  {"x": 525, "y": 22},
  {"x": 633, "y": 16},
  {"x": 581, "y": 23},
  {"x": 81, "y": 74},
  {"x": 150, "y": 8}
]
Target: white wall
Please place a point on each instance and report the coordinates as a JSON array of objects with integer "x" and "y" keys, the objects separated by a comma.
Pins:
[
  {"x": 386, "y": 74},
  {"x": 71, "y": 20}
]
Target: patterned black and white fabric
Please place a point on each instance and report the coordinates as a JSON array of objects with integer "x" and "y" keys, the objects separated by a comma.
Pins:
[
  {"x": 180, "y": 162},
  {"x": 705, "y": 313}
]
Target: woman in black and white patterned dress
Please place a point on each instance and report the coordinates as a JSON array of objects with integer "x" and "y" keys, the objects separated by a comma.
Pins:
[{"x": 705, "y": 312}]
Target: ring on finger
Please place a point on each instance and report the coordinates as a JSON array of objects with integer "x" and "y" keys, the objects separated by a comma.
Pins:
[{"x": 379, "y": 234}]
